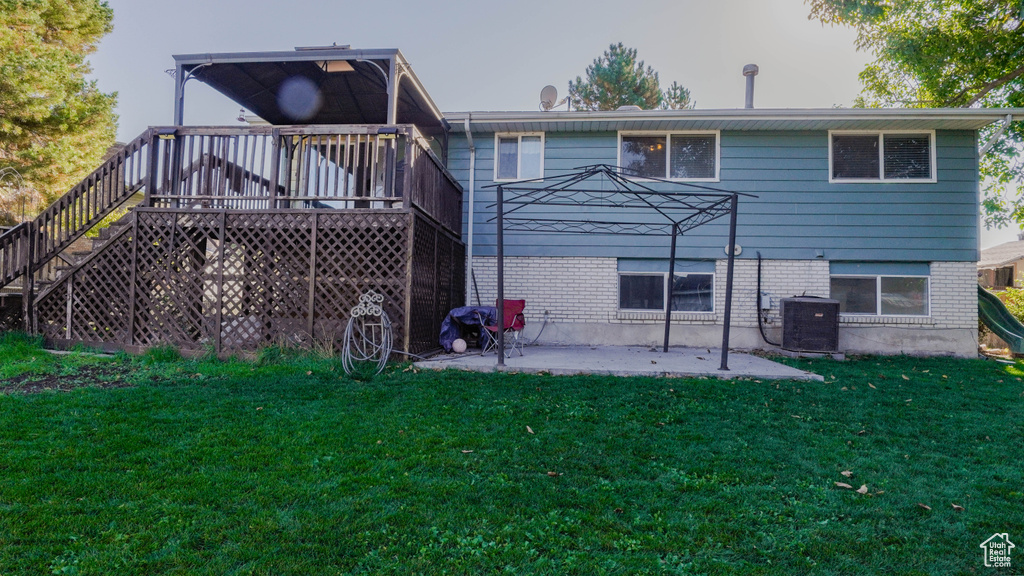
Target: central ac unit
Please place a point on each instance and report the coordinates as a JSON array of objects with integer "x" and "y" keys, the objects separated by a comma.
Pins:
[{"x": 810, "y": 324}]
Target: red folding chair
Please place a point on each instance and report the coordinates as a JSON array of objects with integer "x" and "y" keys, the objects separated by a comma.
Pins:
[{"x": 514, "y": 324}]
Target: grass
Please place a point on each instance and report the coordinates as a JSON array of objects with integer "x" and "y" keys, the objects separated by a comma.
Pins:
[{"x": 288, "y": 467}]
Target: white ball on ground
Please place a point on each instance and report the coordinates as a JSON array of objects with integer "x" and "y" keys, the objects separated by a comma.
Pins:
[{"x": 459, "y": 346}]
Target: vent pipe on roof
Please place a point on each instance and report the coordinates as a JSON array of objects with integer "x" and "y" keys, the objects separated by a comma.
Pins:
[{"x": 750, "y": 70}]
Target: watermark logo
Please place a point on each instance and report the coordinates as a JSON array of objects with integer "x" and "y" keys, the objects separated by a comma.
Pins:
[{"x": 997, "y": 550}]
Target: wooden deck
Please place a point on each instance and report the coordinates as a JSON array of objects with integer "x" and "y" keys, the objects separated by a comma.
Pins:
[{"x": 251, "y": 237}]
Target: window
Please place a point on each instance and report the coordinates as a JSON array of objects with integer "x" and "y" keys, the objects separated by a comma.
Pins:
[
  {"x": 518, "y": 156},
  {"x": 675, "y": 156},
  {"x": 1003, "y": 277},
  {"x": 881, "y": 295},
  {"x": 881, "y": 156},
  {"x": 691, "y": 292},
  {"x": 642, "y": 291}
]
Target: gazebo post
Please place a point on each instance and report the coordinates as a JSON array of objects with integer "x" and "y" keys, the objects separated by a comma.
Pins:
[
  {"x": 500, "y": 304},
  {"x": 733, "y": 205},
  {"x": 671, "y": 278}
]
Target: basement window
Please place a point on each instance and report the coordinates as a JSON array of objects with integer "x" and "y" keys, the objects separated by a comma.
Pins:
[
  {"x": 691, "y": 292},
  {"x": 881, "y": 156},
  {"x": 518, "y": 156},
  {"x": 881, "y": 295},
  {"x": 689, "y": 156}
]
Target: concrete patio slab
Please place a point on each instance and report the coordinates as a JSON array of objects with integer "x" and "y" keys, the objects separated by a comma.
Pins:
[{"x": 623, "y": 361}]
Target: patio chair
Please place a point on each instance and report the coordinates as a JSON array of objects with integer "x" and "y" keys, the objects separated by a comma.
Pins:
[{"x": 514, "y": 324}]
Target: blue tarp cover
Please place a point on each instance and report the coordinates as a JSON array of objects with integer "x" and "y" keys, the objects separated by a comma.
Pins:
[{"x": 451, "y": 328}]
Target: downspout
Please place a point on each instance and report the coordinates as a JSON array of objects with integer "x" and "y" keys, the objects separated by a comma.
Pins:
[
  {"x": 995, "y": 137},
  {"x": 472, "y": 198}
]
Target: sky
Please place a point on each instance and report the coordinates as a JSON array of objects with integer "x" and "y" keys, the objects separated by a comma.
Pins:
[{"x": 489, "y": 55}]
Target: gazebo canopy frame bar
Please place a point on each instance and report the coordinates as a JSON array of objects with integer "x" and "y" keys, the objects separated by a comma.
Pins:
[{"x": 679, "y": 213}]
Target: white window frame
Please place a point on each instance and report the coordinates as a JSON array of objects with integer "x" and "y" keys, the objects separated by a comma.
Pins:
[
  {"x": 519, "y": 156},
  {"x": 881, "y": 157},
  {"x": 665, "y": 292},
  {"x": 878, "y": 294},
  {"x": 668, "y": 150}
]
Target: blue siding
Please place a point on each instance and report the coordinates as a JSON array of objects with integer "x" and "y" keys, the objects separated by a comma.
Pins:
[
  {"x": 661, "y": 265},
  {"x": 880, "y": 268},
  {"x": 797, "y": 214}
]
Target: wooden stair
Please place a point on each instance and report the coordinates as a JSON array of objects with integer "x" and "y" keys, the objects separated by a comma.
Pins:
[
  {"x": 36, "y": 245},
  {"x": 73, "y": 259}
]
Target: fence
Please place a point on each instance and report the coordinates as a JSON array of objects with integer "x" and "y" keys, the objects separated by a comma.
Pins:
[{"x": 233, "y": 280}]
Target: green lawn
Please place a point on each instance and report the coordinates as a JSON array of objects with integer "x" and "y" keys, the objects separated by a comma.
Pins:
[{"x": 288, "y": 467}]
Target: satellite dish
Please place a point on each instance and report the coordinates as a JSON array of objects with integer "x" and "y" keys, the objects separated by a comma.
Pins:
[{"x": 548, "y": 97}]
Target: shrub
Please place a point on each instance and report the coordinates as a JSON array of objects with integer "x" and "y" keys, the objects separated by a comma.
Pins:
[{"x": 1013, "y": 298}]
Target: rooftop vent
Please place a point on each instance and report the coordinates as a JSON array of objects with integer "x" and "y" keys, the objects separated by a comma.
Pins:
[{"x": 750, "y": 70}]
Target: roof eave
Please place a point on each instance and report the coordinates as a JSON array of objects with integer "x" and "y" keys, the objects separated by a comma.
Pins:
[
  {"x": 288, "y": 56},
  {"x": 977, "y": 117}
]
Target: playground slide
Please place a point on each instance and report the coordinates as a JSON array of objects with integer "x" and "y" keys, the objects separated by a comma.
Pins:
[{"x": 995, "y": 315}]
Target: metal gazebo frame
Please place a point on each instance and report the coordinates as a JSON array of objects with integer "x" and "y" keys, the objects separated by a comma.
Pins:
[{"x": 680, "y": 211}]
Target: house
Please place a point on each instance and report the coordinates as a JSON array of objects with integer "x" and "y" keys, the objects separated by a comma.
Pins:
[
  {"x": 1002, "y": 266},
  {"x": 247, "y": 236},
  {"x": 876, "y": 208}
]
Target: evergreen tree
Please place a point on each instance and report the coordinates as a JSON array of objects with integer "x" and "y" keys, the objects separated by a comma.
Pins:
[
  {"x": 676, "y": 97},
  {"x": 947, "y": 53},
  {"x": 54, "y": 124},
  {"x": 617, "y": 79}
]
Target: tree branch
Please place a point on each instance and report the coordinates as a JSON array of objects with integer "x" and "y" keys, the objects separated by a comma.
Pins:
[{"x": 986, "y": 88}]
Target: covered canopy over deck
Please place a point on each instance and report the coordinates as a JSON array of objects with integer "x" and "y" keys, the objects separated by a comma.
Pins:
[{"x": 316, "y": 85}]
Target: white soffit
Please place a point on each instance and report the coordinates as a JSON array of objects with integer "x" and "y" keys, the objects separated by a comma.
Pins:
[{"x": 739, "y": 119}]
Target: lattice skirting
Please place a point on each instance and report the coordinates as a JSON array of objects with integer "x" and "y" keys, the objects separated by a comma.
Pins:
[
  {"x": 10, "y": 313},
  {"x": 232, "y": 281}
]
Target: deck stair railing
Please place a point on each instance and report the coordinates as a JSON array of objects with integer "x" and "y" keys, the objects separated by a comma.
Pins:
[{"x": 32, "y": 246}]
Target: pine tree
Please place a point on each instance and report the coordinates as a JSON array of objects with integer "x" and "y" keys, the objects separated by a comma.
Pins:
[
  {"x": 617, "y": 79},
  {"x": 54, "y": 124},
  {"x": 676, "y": 97}
]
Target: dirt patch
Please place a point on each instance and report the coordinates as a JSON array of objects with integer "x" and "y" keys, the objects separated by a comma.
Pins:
[{"x": 83, "y": 377}]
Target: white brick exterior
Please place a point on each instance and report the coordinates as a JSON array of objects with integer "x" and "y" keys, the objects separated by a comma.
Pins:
[
  {"x": 570, "y": 289},
  {"x": 579, "y": 298}
]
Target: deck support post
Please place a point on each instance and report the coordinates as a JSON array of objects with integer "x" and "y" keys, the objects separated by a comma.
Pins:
[
  {"x": 312, "y": 276},
  {"x": 179, "y": 95},
  {"x": 392, "y": 92},
  {"x": 219, "y": 321},
  {"x": 134, "y": 278},
  {"x": 28, "y": 280}
]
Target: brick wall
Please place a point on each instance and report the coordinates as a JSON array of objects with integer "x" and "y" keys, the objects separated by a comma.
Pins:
[
  {"x": 570, "y": 289},
  {"x": 585, "y": 290}
]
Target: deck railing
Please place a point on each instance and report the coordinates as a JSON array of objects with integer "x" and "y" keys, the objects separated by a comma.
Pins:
[
  {"x": 253, "y": 168},
  {"x": 41, "y": 240},
  {"x": 327, "y": 167}
]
